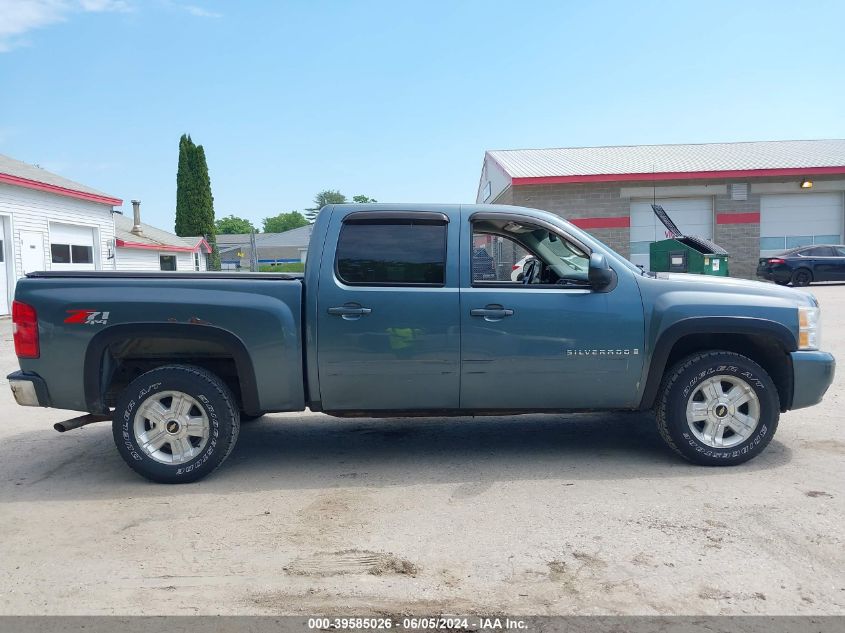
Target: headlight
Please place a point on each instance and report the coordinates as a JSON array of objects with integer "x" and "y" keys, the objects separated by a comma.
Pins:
[{"x": 809, "y": 328}]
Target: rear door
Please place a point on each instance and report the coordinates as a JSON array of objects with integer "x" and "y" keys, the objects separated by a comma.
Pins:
[{"x": 388, "y": 335}]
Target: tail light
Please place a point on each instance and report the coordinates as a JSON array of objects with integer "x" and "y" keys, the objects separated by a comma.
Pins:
[
  {"x": 25, "y": 329},
  {"x": 515, "y": 267},
  {"x": 777, "y": 260}
]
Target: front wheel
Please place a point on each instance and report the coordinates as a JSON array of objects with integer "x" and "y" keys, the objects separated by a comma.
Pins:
[
  {"x": 718, "y": 408},
  {"x": 176, "y": 424}
]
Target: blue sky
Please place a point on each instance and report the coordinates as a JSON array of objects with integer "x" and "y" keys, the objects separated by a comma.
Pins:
[{"x": 396, "y": 100}]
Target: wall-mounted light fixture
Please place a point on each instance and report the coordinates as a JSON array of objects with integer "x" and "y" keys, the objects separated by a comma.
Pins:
[{"x": 806, "y": 184}]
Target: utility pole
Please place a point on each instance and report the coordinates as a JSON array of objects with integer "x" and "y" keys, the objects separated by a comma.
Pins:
[{"x": 253, "y": 258}]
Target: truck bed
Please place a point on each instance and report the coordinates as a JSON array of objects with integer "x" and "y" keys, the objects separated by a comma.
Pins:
[{"x": 94, "y": 325}]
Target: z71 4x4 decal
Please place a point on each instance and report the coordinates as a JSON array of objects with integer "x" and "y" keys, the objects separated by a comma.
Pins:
[{"x": 87, "y": 317}]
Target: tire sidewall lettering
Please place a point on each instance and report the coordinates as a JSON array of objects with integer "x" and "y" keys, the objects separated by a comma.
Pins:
[
  {"x": 687, "y": 376},
  {"x": 127, "y": 438}
]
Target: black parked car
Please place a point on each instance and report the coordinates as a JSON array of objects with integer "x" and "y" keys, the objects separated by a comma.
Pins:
[{"x": 802, "y": 266}]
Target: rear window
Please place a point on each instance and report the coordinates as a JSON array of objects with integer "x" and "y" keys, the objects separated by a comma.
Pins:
[{"x": 392, "y": 253}]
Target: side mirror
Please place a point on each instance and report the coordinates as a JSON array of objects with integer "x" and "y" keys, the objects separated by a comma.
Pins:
[{"x": 600, "y": 274}]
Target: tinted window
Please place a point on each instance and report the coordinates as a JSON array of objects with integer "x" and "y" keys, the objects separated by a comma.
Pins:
[
  {"x": 840, "y": 251},
  {"x": 82, "y": 254},
  {"x": 818, "y": 251},
  {"x": 168, "y": 262},
  {"x": 60, "y": 253},
  {"x": 392, "y": 252}
]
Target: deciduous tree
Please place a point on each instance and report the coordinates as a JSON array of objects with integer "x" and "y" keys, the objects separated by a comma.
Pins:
[
  {"x": 232, "y": 225},
  {"x": 284, "y": 222}
]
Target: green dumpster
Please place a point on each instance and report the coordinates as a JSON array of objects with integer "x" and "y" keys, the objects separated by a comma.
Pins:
[
  {"x": 685, "y": 253},
  {"x": 688, "y": 254}
]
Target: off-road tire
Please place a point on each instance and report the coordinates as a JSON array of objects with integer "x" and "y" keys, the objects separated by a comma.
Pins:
[
  {"x": 680, "y": 382},
  {"x": 218, "y": 404},
  {"x": 802, "y": 277}
]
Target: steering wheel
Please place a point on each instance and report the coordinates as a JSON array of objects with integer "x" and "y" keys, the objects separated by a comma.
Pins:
[{"x": 530, "y": 271}]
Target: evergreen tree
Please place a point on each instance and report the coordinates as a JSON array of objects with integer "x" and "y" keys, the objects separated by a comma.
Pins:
[{"x": 194, "y": 202}]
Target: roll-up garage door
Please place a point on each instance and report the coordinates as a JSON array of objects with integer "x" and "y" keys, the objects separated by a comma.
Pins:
[
  {"x": 694, "y": 216},
  {"x": 798, "y": 219},
  {"x": 72, "y": 247}
]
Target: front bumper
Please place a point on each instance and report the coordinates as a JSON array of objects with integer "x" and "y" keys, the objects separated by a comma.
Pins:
[
  {"x": 29, "y": 389},
  {"x": 812, "y": 375}
]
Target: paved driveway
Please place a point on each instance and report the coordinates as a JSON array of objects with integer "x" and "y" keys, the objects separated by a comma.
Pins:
[{"x": 524, "y": 515}]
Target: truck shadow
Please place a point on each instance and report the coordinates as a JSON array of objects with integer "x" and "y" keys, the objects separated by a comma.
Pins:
[{"x": 279, "y": 452}]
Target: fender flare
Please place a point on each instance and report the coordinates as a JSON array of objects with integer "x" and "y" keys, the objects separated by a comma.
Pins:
[
  {"x": 707, "y": 325},
  {"x": 95, "y": 378}
]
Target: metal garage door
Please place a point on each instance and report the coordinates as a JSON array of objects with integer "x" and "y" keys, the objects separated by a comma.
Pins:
[
  {"x": 796, "y": 219},
  {"x": 72, "y": 247},
  {"x": 694, "y": 216}
]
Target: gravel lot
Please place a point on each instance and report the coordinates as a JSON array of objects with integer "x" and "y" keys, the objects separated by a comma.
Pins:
[{"x": 526, "y": 515}]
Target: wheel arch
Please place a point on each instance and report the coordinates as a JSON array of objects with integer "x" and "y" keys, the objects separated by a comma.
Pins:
[
  {"x": 766, "y": 342},
  {"x": 100, "y": 365}
]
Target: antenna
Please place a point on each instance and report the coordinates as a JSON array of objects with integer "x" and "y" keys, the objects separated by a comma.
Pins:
[{"x": 653, "y": 186}]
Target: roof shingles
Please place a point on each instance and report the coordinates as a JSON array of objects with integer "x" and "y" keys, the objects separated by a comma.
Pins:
[
  {"x": 665, "y": 159},
  {"x": 23, "y": 174}
]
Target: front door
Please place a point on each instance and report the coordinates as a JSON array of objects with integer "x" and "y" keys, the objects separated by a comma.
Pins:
[
  {"x": 32, "y": 251},
  {"x": 546, "y": 346},
  {"x": 387, "y": 312}
]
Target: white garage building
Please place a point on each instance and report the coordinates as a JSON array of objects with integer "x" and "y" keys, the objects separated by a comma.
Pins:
[
  {"x": 50, "y": 223},
  {"x": 140, "y": 246}
]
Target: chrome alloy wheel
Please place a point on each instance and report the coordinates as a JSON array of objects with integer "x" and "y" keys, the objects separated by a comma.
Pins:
[
  {"x": 723, "y": 411},
  {"x": 171, "y": 427}
]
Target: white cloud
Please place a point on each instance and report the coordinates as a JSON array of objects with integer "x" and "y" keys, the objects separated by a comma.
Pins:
[
  {"x": 22, "y": 16},
  {"x": 200, "y": 12},
  {"x": 100, "y": 6}
]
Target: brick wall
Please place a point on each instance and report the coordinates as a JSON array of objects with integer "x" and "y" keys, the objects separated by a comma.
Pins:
[
  {"x": 741, "y": 240},
  {"x": 601, "y": 200}
]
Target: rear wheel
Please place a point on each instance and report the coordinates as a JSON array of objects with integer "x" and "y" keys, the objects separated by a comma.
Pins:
[
  {"x": 802, "y": 277},
  {"x": 176, "y": 424},
  {"x": 718, "y": 409}
]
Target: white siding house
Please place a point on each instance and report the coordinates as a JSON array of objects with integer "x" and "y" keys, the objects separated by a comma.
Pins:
[
  {"x": 140, "y": 246},
  {"x": 48, "y": 222}
]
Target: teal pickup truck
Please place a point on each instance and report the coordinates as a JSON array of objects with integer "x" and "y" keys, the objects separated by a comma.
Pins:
[{"x": 398, "y": 315}]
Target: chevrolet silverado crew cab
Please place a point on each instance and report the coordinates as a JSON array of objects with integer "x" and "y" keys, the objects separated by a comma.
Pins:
[{"x": 409, "y": 310}]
